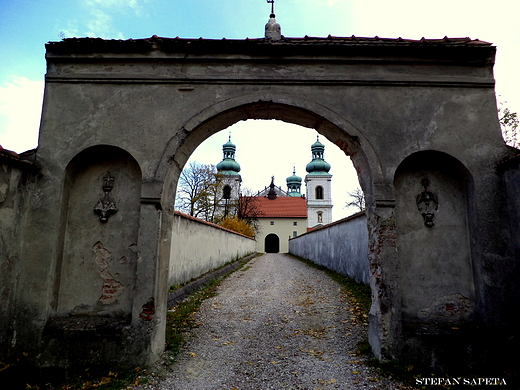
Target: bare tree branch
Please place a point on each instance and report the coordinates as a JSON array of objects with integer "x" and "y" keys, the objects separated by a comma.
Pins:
[
  {"x": 198, "y": 192},
  {"x": 357, "y": 199}
]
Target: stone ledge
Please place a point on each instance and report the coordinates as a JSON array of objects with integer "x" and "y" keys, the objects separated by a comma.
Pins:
[{"x": 181, "y": 293}]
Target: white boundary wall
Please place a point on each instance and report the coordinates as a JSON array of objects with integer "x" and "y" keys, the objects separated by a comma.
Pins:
[
  {"x": 341, "y": 246},
  {"x": 199, "y": 247}
]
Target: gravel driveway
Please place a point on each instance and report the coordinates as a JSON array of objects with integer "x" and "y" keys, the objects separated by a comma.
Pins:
[{"x": 276, "y": 324}]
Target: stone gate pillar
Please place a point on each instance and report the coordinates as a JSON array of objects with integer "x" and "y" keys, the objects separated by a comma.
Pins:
[{"x": 385, "y": 315}]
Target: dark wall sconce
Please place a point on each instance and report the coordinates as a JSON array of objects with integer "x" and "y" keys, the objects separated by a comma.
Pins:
[
  {"x": 427, "y": 203},
  {"x": 105, "y": 207}
]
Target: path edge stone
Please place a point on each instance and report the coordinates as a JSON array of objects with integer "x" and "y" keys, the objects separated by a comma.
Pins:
[{"x": 181, "y": 293}]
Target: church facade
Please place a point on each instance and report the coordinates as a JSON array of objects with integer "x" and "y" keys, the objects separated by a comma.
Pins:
[
  {"x": 279, "y": 217},
  {"x": 279, "y": 214}
]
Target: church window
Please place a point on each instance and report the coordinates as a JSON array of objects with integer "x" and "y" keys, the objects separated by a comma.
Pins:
[
  {"x": 295, "y": 223},
  {"x": 227, "y": 192},
  {"x": 272, "y": 222},
  {"x": 319, "y": 192},
  {"x": 294, "y": 234}
]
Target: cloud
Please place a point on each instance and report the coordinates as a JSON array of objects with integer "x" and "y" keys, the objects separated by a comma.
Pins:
[
  {"x": 101, "y": 22},
  {"x": 71, "y": 30},
  {"x": 120, "y": 5},
  {"x": 100, "y": 25},
  {"x": 331, "y": 3},
  {"x": 20, "y": 112}
]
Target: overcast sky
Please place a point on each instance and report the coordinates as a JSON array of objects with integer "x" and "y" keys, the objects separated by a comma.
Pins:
[{"x": 26, "y": 25}]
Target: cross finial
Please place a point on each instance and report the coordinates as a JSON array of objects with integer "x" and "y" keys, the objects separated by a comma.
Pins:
[{"x": 272, "y": 7}]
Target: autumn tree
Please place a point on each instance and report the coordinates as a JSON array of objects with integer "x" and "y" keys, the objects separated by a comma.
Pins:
[
  {"x": 248, "y": 209},
  {"x": 199, "y": 191},
  {"x": 357, "y": 199},
  {"x": 238, "y": 225}
]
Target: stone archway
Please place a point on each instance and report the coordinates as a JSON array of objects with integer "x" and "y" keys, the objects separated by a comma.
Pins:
[
  {"x": 304, "y": 113},
  {"x": 272, "y": 243},
  {"x": 379, "y": 100}
]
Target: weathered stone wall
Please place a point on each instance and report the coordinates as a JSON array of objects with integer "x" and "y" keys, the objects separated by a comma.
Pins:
[
  {"x": 341, "y": 246},
  {"x": 511, "y": 264},
  {"x": 141, "y": 107},
  {"x": 15, "y": 171},
  {"x": 198, "y": 247}
]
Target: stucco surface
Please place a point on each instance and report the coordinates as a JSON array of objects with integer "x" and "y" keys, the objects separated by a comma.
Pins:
[
  {"x": 341, "y": 246},
  {"x": 198, "y": 248},
  {"x": 154, "y": 101}
]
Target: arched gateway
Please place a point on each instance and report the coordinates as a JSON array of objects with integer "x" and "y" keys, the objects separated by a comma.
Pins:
[
  {"x": 272, "y": 243},
  {"x": 121, "y": 118}
]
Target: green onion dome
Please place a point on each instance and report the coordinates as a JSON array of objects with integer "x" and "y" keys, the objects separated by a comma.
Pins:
[
  {"x": 294, "y": 184},
  {"x": 228, "y": 165},
  {"x": 318, "y": 166},
  {"x": 294, "y": 179}
]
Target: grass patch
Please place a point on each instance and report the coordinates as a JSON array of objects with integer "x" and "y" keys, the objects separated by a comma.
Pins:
[{"x": 181, "y": 318}]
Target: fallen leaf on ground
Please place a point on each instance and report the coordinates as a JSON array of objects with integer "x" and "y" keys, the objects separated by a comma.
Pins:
[
  {"x": 326, "y": 382},
  {"x": 229, "y": 343}
]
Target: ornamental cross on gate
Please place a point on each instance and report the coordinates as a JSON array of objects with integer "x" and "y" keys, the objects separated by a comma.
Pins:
[
  {"x": 427, "y": 203},
  {"x": 105, "y": 207},
  {"x": 272, "y": 6}
]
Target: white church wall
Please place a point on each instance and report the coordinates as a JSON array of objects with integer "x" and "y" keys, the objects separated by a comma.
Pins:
[
  {"x": 283, "y": 228},
  {"x": 199, "y": 246}
]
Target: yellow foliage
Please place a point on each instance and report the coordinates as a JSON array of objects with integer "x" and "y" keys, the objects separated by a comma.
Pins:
[{"x": 238, "y": 225}]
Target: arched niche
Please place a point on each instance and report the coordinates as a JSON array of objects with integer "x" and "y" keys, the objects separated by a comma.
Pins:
[
  {"x": 434, "y": 197},
  {"x": 96, "y": 272}
]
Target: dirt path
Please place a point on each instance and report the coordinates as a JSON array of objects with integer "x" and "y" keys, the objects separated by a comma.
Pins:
[{"x": 276, "y": 324}]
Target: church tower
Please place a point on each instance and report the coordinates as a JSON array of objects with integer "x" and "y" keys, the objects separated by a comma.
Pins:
[
  {"x": 229, "y": 170},
  {"x": 318, "y": 182}
]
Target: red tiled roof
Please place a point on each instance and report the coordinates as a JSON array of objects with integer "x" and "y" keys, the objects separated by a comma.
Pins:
[
  {"x": 18, "y": 160},
  {"x": 331, "y": 40},
  {"x": 260, "y": 46},
  {"x": 281, "y": 207}
]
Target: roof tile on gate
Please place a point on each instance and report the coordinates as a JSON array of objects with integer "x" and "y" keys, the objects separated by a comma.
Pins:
[{"x": 281, "y": 207}]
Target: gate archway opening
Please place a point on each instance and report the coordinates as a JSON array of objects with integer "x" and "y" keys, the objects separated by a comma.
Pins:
[
  {"x": 266, "y": 148},
  {"x": 272, "y": 243},
  {"x": 347, "y": 139}
]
